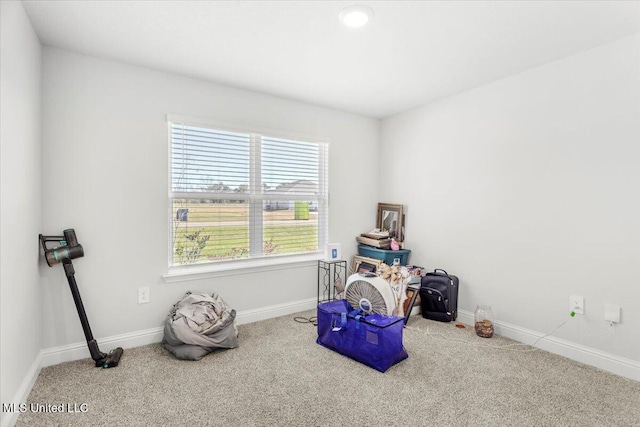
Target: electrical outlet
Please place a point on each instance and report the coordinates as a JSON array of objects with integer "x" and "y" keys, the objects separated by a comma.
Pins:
[
  {"x": 143, "y": 295},
  {"x": 612, "y": 313},
  {"x": 576, "y": 304}
]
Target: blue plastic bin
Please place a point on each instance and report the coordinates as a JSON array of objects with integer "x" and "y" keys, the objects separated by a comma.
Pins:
[{"x": 387, "y": 255}]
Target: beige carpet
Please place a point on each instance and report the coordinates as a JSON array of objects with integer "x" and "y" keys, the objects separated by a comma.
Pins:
[{"x": 279, "y": 376}]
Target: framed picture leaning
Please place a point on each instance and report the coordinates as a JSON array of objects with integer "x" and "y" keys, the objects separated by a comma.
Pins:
[{"x": 390, "y": 219}]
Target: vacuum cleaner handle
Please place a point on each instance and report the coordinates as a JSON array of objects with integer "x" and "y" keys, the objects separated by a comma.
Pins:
[{"x": 69, "y": 249}]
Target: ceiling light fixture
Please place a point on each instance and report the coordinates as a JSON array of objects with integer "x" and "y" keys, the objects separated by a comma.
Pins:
[{"x": 355, "y": 16}]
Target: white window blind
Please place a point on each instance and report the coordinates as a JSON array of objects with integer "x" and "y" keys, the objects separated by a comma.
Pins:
[{"x": 242, "y": 195}]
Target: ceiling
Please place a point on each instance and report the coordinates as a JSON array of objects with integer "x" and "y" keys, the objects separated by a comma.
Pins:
[{"x": 411, "y": 53}]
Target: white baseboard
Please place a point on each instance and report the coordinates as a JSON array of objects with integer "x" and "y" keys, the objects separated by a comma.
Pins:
[
  {"x": 608, "y": 362},
  {"x": 618, "y": 365},
  {"x": 9, "y": 419},
  {"x": 52, "y": 356},
  {"x": 269, "y": 312},
  {"x": 77, "y": 351}
]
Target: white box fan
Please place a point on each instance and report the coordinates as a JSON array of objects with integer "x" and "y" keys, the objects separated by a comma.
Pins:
[{"x": 370, "y": 293}]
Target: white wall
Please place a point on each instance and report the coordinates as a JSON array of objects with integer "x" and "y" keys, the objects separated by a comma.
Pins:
[
  {"x": 105, "y": 162},
  {"x": 20, "y": 218},
  {"x": 527, "y": 189}
]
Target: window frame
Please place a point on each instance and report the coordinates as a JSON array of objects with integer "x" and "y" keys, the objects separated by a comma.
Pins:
[{"x": 176, "y": 273}]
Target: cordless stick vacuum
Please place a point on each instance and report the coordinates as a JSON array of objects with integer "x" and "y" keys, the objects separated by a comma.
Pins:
[{"x": 68, "y": 249}]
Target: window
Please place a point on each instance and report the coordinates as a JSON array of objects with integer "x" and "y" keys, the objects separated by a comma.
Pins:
[{"x": 243, "y": 195}]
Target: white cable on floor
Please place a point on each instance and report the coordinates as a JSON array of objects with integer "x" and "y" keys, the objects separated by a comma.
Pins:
[{"x": 498, "y": 347}]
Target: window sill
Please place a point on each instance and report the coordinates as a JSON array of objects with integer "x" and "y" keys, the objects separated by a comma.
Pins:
[{"x": 233, "y": 268}]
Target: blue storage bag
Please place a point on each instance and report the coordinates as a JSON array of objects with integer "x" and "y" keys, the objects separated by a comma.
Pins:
[{"x": 375, "y": 340}]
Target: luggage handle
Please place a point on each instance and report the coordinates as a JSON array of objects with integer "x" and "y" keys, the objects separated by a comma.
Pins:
[{"x": 439, "y": 269}]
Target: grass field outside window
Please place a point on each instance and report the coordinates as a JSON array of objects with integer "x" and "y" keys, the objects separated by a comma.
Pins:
[{"x": 223, "y": 232}]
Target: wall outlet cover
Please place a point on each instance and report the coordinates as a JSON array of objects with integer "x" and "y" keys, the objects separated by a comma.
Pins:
[
  {"x": 576, "y": 304},
  {"x": 143, "y": 295},
  {"x": 612, "y": 313}
]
